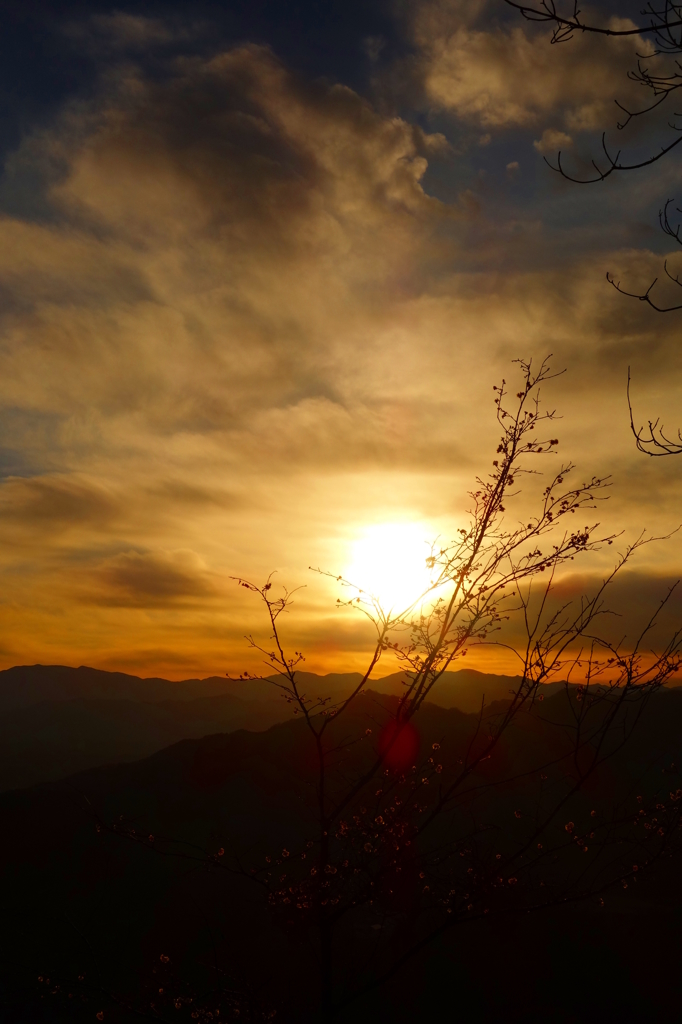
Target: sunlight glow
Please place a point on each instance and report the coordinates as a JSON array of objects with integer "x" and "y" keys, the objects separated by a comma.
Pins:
[{"x": 388, "y": 561}]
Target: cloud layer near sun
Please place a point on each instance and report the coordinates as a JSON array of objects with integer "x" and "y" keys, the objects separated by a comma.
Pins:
[{"x": 237, "y": 329}]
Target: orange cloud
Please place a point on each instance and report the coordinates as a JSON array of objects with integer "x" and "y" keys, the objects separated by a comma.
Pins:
[
  {"x": 504, "y": 75},
  {"x": 244, "y": 332}
]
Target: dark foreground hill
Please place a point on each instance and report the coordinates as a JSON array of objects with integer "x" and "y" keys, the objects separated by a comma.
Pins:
[
  {"x": 56, "y": 720},
  {"x": 77, "y": 901}
]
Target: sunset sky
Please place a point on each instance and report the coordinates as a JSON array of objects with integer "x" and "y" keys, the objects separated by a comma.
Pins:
[{"x": 260, "y": 267}]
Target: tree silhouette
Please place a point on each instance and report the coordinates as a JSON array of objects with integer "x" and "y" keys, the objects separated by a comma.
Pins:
[{"x": 492, "y": 817}]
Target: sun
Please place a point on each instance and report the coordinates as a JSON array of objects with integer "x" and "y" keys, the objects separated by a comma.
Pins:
[{"x": 389, "y": 561}]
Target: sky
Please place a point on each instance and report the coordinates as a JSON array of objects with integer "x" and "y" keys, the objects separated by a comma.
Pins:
[{"x": 261, "y": 265}]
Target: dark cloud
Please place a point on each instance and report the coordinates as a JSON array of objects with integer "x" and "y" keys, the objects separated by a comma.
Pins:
[
  {"x": 55, "y": 504},
  {"x": 220, "y": 225},
  {"x": 129, "y": 32},
  {"x": 180, "y": 493},
  {"x": 633, "y": 601},
  {"x": 153, "y": 579},
  {"x": 53, "y": 53}
]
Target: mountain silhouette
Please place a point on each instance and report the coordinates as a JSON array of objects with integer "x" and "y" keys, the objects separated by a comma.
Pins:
[
  {"x": 56, "y": 720},
  {"x": 81, "y": 900}
]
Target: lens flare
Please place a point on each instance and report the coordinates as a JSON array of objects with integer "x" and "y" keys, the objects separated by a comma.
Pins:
[{"x": 398, "y": 744}]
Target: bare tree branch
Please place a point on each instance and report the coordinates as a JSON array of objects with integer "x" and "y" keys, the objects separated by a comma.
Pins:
[{"x": 651, "y": 439}]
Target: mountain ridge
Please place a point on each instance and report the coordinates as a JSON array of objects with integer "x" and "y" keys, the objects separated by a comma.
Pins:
[
  {"x": 58, "y": 720},
  {"x": 23, "y": 685}
]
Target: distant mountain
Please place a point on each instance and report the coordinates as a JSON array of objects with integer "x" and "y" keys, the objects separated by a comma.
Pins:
[
  {"x": 465, "y": 689},
  {"x": 26, "y": 685},
  {"x": 56, "y": 720},
  {"x": 29, "y": 684}
]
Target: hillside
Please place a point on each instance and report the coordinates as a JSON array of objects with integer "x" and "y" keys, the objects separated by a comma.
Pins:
[
  {"x": 77, "y": 900},
  {"x": 56, "y": 720}
]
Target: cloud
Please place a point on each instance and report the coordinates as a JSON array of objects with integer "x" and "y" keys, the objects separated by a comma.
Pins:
[
  {"x": 237, "y": 328},
  {"x": 504, "y": 75},
  {"x": 132, "y": 30},
  {"x": 51, "y": 504},
  {"x": 212, "y": 228},
  {"x": 552, "y": 141},
  {"x": 181, "y": 494},
  {"x": 632, "y": 601},
  {"x": 197, "y": 302},
  {"x": 152, "y": 579},
  {"x": 121, "y": 33}
]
